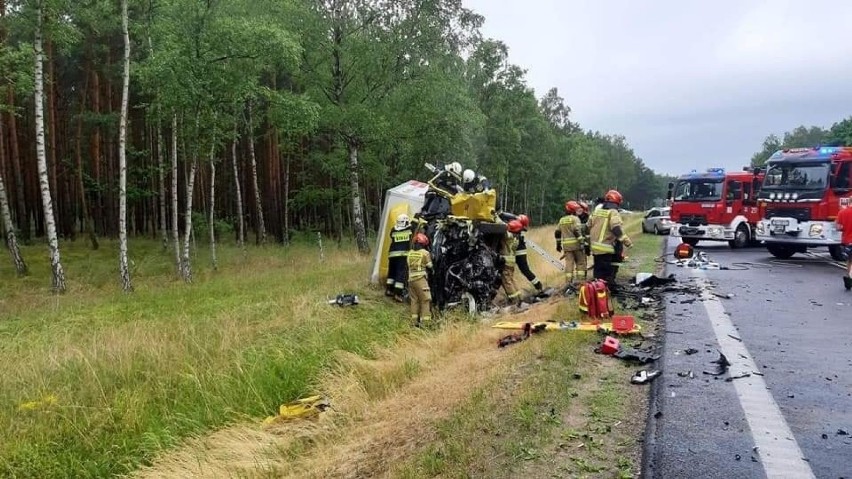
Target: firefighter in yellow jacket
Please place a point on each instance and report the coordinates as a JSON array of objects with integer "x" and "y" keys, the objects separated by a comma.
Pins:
[
  {"x": 400, "y": 243},
  {"x": 419, "y": 262},
  {"x": 571, "y": 242},
  {"x": 608, "y": 238},
  {"x": 508, "y": 247}
]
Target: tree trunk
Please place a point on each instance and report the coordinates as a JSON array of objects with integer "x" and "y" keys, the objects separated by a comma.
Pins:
[
  {"x": 58, "y": 282},
  {"x": 11, "y": 238},
  {"x": 261, "y": 227},
  {"x": 15, "y": 152},
  {"x": 186, "y": 266},
  {"x": 212, "y": 223},
  {"x": 287, "y": 200},
  {"x": 124, "y": 270},
  {"x": 162, "y": 187},
  {"x": 240, "y": 217},
  {"x": 87, "y": 223},
  {"x": 355, "y": 187},
  {"x": 175, "y": 234},
  {"x": 51, "y": 126}
]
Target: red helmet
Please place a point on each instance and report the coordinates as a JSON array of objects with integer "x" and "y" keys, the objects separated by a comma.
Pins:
[
  {"x": 525, "y": 220},
  {"x": 683, "y": 251},
  {"x": 515, "y": 226},
  {"x": 613, "y": 196},
  {"x": 421, "y": 239},
  {"x": 572, "y": 207}
]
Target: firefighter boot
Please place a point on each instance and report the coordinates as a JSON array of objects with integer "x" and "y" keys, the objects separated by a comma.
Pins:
[{"x": 847, "y": 282}]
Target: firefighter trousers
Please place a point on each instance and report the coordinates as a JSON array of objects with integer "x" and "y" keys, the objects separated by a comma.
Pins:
[
  {"x": 421, "y": 299},
  {"x": 605, "y": 269},
  {"x": 575, "y": 260},
  {"x": 524, "y": 266},
  {"x": 507, "y": 276},
  {"x": 397, "y": 274}
]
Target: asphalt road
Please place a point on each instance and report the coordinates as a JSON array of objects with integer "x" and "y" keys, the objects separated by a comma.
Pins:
[{"x": 790, "y": 321}]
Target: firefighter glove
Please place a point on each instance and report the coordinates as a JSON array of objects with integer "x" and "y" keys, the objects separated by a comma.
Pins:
[
  {"x": 627, "y": 241},
  {"x": 559, "y": 247}
]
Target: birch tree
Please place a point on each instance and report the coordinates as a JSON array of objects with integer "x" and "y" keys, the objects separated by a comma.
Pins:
[
  {"x": 58, "y": 274},
  {"x": 258, "y": 204},
  {"x": 124, "y": 270},
  {"x": 11, "y": 239},
  {"x": 174, "y": 195},
  {"x": 212, "y": 215},
  {"x": 241, "y": 221}
]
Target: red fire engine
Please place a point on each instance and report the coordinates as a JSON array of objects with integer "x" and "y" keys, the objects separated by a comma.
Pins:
[
  {"x": 716, "y": 206},
  {"x": 803, "y": 190}
]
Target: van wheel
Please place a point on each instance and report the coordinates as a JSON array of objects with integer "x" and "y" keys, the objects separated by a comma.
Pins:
[
  {"x": 741, "y": 237},
  {"x": 780, "y": 251}
]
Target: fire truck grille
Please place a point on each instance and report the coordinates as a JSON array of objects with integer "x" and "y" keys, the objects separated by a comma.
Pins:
[
  {"x": 799, "y": 214},
  {"x": 694, "y": 220}
]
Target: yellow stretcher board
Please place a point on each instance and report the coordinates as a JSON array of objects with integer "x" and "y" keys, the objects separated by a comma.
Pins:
[{"x": 563, "y": 326}]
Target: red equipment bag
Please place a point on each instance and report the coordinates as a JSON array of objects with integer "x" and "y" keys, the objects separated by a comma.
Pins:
[{"x": 594, "y": 299}]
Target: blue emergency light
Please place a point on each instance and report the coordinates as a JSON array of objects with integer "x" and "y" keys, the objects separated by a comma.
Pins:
[
  {"x": 827, "y": 150},
  {"x": 718, "y": 171}
]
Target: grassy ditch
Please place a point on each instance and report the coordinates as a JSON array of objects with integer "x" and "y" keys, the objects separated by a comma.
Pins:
[{"x": 96, "y": 382}]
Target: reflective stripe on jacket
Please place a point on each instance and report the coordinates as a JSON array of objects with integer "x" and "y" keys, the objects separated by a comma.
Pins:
[
  {"x": 571, "y": 232},
  {"x": 418, "y": 261},
  {"x": 400, "y": 243},
  {"x": 600, "y": 230},
  {"x": 508, "y": 247}
]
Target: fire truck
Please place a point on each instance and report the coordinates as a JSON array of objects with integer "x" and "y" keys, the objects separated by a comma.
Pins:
[
  {"x": 716, "y": 206},
  {"x": 802, "y": 193}
]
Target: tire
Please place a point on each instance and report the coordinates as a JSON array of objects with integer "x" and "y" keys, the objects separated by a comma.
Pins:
[
  {"x": 837, "y": 253},
  {"x": 691, "y": 241},
  {"x": 741, "y": 237},
  {"x": 780, "y": 251},
  {"x": 656, "y": 229},
  {"x": 644, "y": 230}
]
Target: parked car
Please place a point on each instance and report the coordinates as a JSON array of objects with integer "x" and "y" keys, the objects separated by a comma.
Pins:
[{"x": 657, "y": 221}]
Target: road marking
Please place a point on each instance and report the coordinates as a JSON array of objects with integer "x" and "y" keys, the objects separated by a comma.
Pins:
[{"x": 779, "y": 452}]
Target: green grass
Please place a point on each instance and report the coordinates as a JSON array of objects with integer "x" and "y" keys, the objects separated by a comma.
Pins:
[{"x": 97, "y": 382}]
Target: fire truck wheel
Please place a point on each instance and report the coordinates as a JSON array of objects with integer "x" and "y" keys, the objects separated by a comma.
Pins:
[
  {"x": 691, "y": 241},
  {"x": 781, "y": 251},
  {"x": 741, "y": 237},
  {"x": 836, "y": 253}
]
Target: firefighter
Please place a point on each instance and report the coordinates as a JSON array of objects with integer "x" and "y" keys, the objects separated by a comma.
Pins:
[
  {"x": 607, "y": 238},
  {"x": 400, "y": 243},
  {"x": 584, "y": 212},
  {"x": 508, "y": 247},
  {"x": 419, "y": 264},
  {"x": 570, "y": 242},
  {"x": 844, "y": 224},
  {"x": 473, "y": 183},
  {"x": 521, "y": 254}
]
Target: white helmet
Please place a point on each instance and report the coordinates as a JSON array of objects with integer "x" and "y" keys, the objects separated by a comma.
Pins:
[
  {"x": 454, "y": 167},
  {"x": 468, "y": 176},
  {"x": 402, "y": 222}
]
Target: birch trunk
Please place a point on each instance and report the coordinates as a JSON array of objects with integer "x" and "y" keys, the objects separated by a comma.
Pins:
[
  {"x": 212, "y": 224},
  {"x": 123, "y": 267},
  {"x": 58, "y": 277},
  {"x": 186, "y": 266},
  {"x": 240, "y": 217},
  {"x": 175, "y": 234},
  {"x": 164, "y": 229},
  {"x": 357, "y": 213},
  {"x": 11, "y": 239},
  {"x": 261, "y": 227}
]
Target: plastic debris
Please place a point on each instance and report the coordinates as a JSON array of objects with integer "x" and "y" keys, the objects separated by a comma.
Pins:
[
  {"x": 305, "y": 408},
  {"x": 345, "y": 299},
  {"x": 723, "y": 363},
  {"x": 642, "y": 377},
  {"x": 528, "y": 330}
]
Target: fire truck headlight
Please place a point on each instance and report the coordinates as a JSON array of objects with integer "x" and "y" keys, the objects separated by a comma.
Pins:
[
  {"x": 795, "y": 196},
  {"x": 815, "y": 230},
  {"x": 760, "y": 228},
  {"x": 771, "y": 196},
  {"x": 786, "y": 196},
  {"x": 714, "y": 231}
]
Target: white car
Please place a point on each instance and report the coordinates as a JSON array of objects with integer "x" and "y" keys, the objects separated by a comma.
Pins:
[{"x": 657, "y": 221}]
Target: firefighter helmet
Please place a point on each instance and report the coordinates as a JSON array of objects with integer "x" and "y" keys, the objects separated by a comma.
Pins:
[
  {"x": 572, "y": 207},
  {"x": 421, "y": 239},
  {"x": 515, "y": 226},
  {"x": 525, "y": 220},
  {"x": 468, "y": 176},
  {"x": 454, "y": 167},
  {"x": 402, "y": 222},
  {"x": 613, "y": 196}
]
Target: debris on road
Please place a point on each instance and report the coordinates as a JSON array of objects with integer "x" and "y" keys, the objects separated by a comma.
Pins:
[
  {"x": 735, "y": 337},
  {"x": 528, "y": 330},
  {"x": 723, "y": 363},
  {"x": 646, "y": 280},
  {"x": 686, "y": 374},
  {"x": 642, "y": 377},
  {"x": 842, "y": 432},
  {"x": 741, "y": 376},
  {"x": 690, "y": 351}
]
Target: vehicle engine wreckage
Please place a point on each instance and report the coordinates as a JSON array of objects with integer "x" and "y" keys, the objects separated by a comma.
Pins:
[{"x": 459, "y": 216}]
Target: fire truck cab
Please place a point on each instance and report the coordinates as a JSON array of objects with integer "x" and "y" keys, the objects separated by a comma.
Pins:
[
  {"x": 716, "y": 206},
  {"x": 802, "y": 193}
]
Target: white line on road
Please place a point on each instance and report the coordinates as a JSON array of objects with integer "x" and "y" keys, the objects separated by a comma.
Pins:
[{"x": 779, "y": 452}]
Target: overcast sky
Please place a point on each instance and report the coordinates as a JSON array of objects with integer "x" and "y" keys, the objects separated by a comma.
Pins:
[{"x": 690, "y": 84}]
